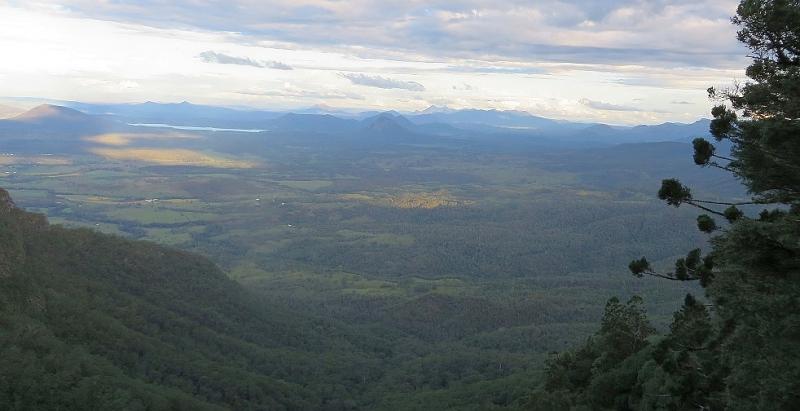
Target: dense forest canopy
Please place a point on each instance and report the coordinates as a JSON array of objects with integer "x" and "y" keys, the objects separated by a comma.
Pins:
[
  {"x": 740, "y": 348},
  {"x": 420, "y": 262}
]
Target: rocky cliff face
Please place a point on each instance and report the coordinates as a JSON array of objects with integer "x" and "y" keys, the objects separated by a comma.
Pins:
[
  {"x": 6, "y": 203},
  {"x": 11, "y": 250}
]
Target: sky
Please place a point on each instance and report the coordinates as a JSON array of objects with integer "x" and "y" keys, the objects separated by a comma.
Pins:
[{"x": 617, "y": 62}]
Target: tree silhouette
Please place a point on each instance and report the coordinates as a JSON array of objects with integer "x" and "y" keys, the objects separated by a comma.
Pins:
[{"x": 752, "y": 274}]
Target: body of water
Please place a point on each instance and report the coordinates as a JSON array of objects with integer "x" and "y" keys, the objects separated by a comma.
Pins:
[{"x": 195, "y": 128}]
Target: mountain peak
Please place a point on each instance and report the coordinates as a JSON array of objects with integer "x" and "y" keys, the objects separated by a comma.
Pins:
[
  {"x": 322, "y": 107},
  {"x": 386, "y": 119},
  {"x": 436, "y": 109},
  {"x": 51, "y": 112},
  {"x": 388, "y": 125}
]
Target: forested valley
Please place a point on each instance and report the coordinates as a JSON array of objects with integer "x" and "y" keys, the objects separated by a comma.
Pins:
[{"x": 188, "y": 257}]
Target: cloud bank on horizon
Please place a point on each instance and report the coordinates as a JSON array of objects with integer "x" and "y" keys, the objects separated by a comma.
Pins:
[{"x": 623, "y": 61}]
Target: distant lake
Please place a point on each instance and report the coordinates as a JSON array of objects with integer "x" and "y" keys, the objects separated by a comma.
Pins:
[{"x": 195, "y": 128}]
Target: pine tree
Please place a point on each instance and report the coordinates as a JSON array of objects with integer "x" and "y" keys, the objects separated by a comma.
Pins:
[{"x": 752, "y": 274}]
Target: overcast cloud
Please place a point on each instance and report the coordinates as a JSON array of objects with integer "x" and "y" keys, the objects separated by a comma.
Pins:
[
  {"x": 382, "y": 82},
  {"x": 214, "y": 57},
  {"x": 673, "y": 32},
  {"x": 602, "y": 105},
  {"x": 558, "y": 58},
  {"x": 220, "y": 58}
]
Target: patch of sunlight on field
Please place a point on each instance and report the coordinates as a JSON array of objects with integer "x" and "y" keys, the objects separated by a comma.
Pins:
[
  {"x": 124, "y": 139},
  {"x": 171, "y": 157},
  {"x": 89, "y": 199},
  {"x": 425, "y": 200}
]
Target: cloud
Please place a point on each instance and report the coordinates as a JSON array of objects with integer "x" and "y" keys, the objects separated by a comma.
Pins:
[
  {"x": 291, "y": 91},
  {"x": 382, "y": 82},
  {"x": 220, "y": 58},
  {"x": 463, "y": 87},
  {"x": 277, "y": 65},
  {"x": 602, "y": 105},
  {"x": 662, "y": 32},
  {"x": 680, "y": 102},
  {"x": 515, "y": 54},
  {"x": 497, "y": 69},
  {"x": 128, "y": 85}
]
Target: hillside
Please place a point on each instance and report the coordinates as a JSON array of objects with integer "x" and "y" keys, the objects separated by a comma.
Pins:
[
  {"x": 49, "y": 128},
  {"x": 92, "y": 321},
  {"x": 48, "y": 112}
]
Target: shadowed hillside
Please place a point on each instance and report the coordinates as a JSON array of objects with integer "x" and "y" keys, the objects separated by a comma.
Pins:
[{"x": 92, "y": 321}]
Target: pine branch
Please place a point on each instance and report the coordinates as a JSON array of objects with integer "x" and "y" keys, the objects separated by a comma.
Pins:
[
  {"x": 730, "y": 170},
  {"x": 692, "y": 349},
  {"x": 727, "y": 203},
  {"x": 712, "y": 211},
  {"x": 668, "y": 277}
]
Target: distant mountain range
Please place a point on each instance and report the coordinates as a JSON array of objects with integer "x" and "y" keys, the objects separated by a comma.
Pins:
[
  {"x": 74, "y": 119},
  {"x": 179, "y": 113}
]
